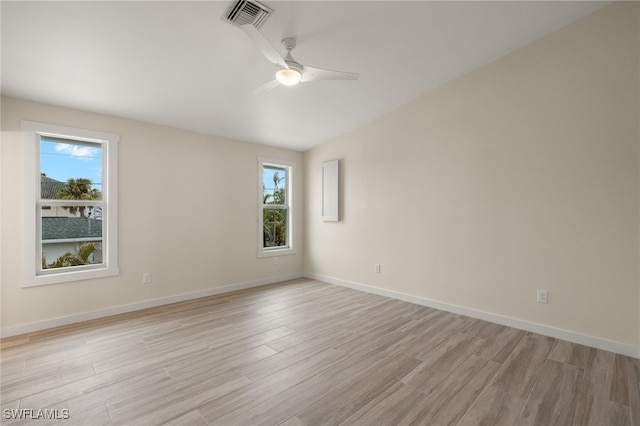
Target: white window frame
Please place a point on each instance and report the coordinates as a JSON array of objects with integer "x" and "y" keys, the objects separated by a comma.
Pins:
[
  {"x": 289, "y": 166},
  {"x": 33, "y": 274}
]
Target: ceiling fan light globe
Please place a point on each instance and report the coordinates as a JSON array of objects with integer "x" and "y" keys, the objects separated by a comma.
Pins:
[{"x": 288, "y": 77}]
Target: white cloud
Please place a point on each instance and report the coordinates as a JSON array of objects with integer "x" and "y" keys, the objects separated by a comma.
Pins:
[{"x": 77, "y": 151}]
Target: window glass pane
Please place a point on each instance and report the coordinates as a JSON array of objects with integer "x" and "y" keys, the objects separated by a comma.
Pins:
[
  {"x": 274, "y": 227},
  {"x": 71, "y": 240},
  {"x": 70, "y": 170},
  {"x": 274, "y": 185}
]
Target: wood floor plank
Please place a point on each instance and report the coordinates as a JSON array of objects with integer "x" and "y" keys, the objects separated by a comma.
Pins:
[
  {"x": 571, "y": 353},
  {"x": 449, "y": 400},
  {"x": 511, "y": 343},
  {"x": 619, "y": 382},
  {"x": 554, "y": 397},
  {"x": 354, "y": 364},
  {"x": 483, "y": 329},
  {"x": 362, "y": 341},
  {"x": 592, "y": 411},
  {"x": 432, "y": 372},
  {"x": 192, "y": 418},
  {"x": 285, "y": 359},
  {"x": 598, "y": 382},
  {"x": 218, "y": 352},
  {"x": 127, "y": 388},
  {"x": 143, "y": 358},
  {"x": 520, "y": 371},
  {"x": 282, "y": 406},
  {"x": 178, "y": 408},
  {"x": 388, "y": 408},
  {"x": 305, "y": 338},
  {"x": 495, "y": 408},
  {"x": 343, "y": 401},
  {"x": 633, "y": 370},
  {"x": 458, "y": 392},
  {"x": 307, "y": 353},
  {"x": 33, "y": 347},
  {"x": 229, "y": 406},
  {"x": 225, "y": 330},
  {"x": 433, "y": 338},
  {"x": 14, "y": 341},
  {"x": 213, "y": 365},
  {"x": 498, "y": 346},
  {"x": 33, "y": 385},
  {"x": 92, "y": 387},
  {"x": 79, "y": 355},
  {"x": 293, "y": 421},
  {"x": 10, "y": 368},
  {"x": 172, "y": 392},
  {"x": 600, "y": 360},
  {"x": 129, "y": 331},
  {"x": 433, "y": 319},
  {"x": 242, "y": 343}
]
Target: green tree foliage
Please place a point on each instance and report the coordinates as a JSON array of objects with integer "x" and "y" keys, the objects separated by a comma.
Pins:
[
  {"x": 78, "y": 257},
  {"x": 78, "y": 189}
]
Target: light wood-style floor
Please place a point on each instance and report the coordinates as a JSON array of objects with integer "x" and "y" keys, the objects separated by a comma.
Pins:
[{"x": 310, "y": 353}]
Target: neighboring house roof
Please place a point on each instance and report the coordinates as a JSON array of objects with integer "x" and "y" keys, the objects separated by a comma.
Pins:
[
  {"x": 55, "y": 228},
  {"x": 49, "y": 187}
]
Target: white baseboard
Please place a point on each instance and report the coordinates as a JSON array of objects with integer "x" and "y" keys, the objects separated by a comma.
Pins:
[
  {"x": 558, "y": 333},
  {"x": 85, "y": 316}
]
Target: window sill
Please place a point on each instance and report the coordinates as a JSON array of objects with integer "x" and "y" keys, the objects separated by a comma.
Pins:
[
  {"x": 70, "y": 276},
  {"x": 276, "y": 252}
]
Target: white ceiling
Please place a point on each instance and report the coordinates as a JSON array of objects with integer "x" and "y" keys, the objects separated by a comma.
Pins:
[{"x": 179, "y": 64}]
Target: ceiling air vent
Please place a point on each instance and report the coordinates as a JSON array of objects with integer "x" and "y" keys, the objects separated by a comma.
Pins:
[{"x": 244, "y": 12}]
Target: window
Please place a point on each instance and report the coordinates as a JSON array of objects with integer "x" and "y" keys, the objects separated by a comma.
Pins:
[
  {"x": 70, "y": 204},
  {"x": 275, "y": 230}
]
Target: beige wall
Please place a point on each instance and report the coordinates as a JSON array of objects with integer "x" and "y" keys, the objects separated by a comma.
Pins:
[
  {"x": 188, "y": 214},
  {"x": 521, "y": 175}
]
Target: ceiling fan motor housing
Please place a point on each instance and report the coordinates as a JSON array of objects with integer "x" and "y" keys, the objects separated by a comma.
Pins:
[
  {"x": 289, "y": 43},
  {"x": 293, "y": 65}
]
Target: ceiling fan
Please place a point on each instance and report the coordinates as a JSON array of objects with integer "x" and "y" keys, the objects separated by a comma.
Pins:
[{"x": 290, "y": 71}]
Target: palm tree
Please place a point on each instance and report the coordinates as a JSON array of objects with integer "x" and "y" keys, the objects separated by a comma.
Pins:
[
  {"x": 78, "y": 189},
  {"x": 79, "y": 257},
  {"x": 278, "y": 193}
]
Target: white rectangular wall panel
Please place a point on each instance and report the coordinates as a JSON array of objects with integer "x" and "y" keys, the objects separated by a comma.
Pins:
[{"x": 330, "y": 192}]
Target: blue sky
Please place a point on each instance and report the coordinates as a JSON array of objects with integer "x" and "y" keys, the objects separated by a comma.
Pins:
[{"x": 61, "y": 161}]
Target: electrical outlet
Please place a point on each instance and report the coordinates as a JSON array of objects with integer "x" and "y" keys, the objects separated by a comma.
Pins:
[
  {"x": 376, "y": 268},
  {"x": 146, "y": 278},
  {"x": 275, "y": 260},
  {"x": 542, "y": 296}
]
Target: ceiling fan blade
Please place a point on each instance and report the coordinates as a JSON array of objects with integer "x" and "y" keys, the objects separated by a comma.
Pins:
[
  {"x": 313, "y": 74},
  {"x": 263, "y": 44},
  {"x": 266, "y": 87}
]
